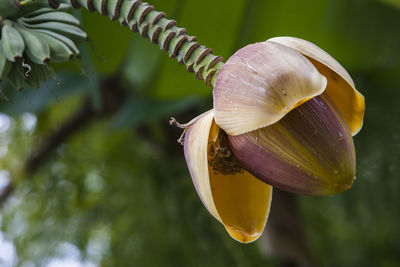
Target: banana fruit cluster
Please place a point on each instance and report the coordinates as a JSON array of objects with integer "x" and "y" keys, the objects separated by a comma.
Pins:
[{"x": 28, "y": 43}]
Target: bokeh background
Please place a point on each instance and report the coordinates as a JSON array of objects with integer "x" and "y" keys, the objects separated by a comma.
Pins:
[{"x": 106, "y": 184}]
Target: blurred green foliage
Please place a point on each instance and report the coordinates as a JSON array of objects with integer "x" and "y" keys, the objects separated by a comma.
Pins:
[{"x": 118, "y": 189}]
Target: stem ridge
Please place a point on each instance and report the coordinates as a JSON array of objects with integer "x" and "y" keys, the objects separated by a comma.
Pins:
[{"x": 141, "y": 17}]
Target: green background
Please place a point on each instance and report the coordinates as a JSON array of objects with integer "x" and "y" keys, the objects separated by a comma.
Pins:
[{"x": 117, "y": 192}]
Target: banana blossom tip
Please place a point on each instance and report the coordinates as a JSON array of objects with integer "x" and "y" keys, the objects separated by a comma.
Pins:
[{"x": 284, "y": 115}]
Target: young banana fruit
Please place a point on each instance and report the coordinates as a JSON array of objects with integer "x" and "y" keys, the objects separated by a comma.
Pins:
[
  {"x": 68, "y": 30},
  {"x": 5, "y": 65},
  {"x": 28, "y": 43},
  {"x": 12, "y": 43},
  {"x": 36, "y": 48},
  {"x": 62, "y": 17},
  {"x": 59, "y": 51}
]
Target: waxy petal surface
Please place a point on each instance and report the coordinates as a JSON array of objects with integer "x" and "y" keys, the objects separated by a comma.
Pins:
[
  {"x": 309, "y": 151},
  {"x": 260, "y": 84},
  {"x": 240, "y": 201},
  {"x": 341, "y": 88}
]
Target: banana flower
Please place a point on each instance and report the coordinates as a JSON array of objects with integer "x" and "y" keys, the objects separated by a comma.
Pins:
[{"x": 284, "y": 115}]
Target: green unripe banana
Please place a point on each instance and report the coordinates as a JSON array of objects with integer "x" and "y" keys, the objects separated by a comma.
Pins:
[
  {"x": 35, "y": 48},
  {"x": 12, "y": 43},
  {"x": 37, "y": 37},
  {"x": 59, "y": 51},
  {"x": 62, "y": 17},
  {"x": 70, "y": 31},
  {"x": 5, "y": 65},
  {"x": 63, "y": 39}
]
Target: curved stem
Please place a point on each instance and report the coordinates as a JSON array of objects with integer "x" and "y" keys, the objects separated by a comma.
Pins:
[{"x": 141, "y": 17}]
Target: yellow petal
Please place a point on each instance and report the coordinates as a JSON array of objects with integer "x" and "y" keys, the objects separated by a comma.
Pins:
[
  {"x": 340, "y": 89},
  {"x": 260, "y": 84},
  {"x": 240, "y": 201}
]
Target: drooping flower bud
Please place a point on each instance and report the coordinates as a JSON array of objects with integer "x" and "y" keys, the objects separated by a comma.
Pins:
[
  {"x": 285, "y": 111},
  {"x": 289, "y": 110}
]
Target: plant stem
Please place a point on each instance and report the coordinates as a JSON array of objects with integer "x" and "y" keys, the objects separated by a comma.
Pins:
[{"x": 141, "y": 17}]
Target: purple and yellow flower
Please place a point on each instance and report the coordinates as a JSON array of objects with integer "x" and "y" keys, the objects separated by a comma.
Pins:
[{"x": 284, "y": 115}]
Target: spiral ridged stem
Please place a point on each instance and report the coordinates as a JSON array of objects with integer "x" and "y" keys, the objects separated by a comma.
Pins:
[{"x": 141, "y": 17}]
